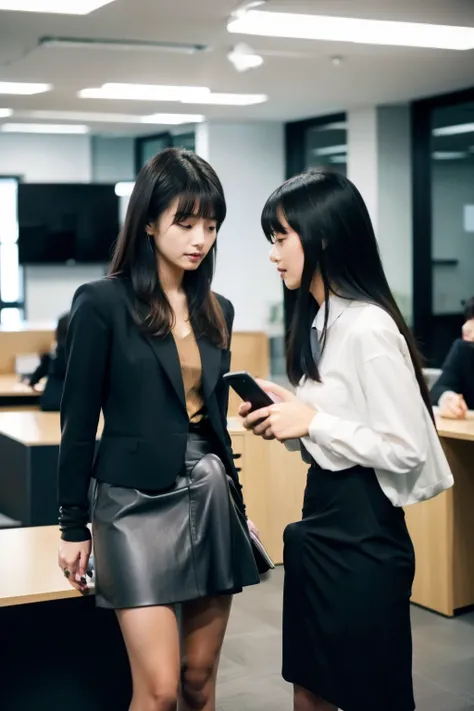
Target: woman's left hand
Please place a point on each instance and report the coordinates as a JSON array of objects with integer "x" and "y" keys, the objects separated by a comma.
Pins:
[
  {"x": 282, "y": 421},
  {"x": 253, "y": 529}
]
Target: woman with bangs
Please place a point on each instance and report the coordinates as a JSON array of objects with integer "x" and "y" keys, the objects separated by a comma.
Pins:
[
  {"x": 362, "y": 419},
  {"x": 148, "y": 346}
]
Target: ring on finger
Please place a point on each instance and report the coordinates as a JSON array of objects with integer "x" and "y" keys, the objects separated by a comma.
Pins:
[{"x": 67, "y": 573}]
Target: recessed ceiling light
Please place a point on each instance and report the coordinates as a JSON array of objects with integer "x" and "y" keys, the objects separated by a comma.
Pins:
[
  {"x": 330, "y": 150},
  {"x": 60, "y": 7},
  {"x": 345, "y": 29},
  {"x": 145, "y": 92},
  {"x": 449, "y": 155},
  {"x": 42, "y": 128},
  {"x": 230, "y": 99},
  {"x": 454, "y": 130},
  {"x": 172, "y": 119},
  {"x": 5, "y": 113},
  {"x": 23, "y": 88},
  {"x": 178, "y": 94}
]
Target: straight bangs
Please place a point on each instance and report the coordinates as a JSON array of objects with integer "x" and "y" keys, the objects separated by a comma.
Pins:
[
  {"x": 271, "y": 216},
  {"x": 286, "y": 202},
  {"x": 201, "y": 198}
]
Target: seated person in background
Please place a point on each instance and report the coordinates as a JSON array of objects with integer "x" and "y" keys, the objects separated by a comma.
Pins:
[
  {"x": 52, "y": 367},
  {"x": 454, "y": 391}
]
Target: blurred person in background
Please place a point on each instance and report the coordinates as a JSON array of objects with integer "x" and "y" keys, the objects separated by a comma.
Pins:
[
  {"x": 148, "y": 346},
  {"x": 52, "y": 367},
  {"x": 454, "y": 390}
]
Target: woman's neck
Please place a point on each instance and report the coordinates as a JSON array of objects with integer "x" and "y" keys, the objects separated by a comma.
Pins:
[
  {"x": 171, "y": 277},
  {"x": 317, "y": 289}
]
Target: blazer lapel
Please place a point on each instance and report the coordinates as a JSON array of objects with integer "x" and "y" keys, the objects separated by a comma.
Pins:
[
  {"x": 167, "y": 354},
  {"x": 211, "y": 358}
]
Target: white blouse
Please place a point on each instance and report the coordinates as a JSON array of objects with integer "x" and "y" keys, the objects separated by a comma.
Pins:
[{"x": 369, "y": 407}]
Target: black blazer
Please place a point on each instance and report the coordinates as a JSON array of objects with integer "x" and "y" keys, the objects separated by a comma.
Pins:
[
  {"x": 458, "y": 373},
  {"x": 136, "y": 380}
]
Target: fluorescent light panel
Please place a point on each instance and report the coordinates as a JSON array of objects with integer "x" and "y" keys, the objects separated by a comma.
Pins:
[
  {"x": 454, "y": 130},
  {"x": 330, "y": 150},
  {"x": 5, "y": 113},
  {"x": 230, "y": 99},
  {"x": 449, "y": 155},
  {"x": 23, "y": 88},
  {"x": 145, "y": 92},
  {"x": 97, "y": 117},
  {"x": 59, "y": 7},
  {"x": 345, "y": 29},
  {"x": 43, "y": 128},
  {"x": 178, "y": 94}
]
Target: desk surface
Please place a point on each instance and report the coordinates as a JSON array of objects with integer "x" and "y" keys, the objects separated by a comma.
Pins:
[
  {"x": 30, "y": 572},
  {"x": 34, "y": 428},
  {"x": 10, "y": 386},
  {"x": 456, "y": 429}
]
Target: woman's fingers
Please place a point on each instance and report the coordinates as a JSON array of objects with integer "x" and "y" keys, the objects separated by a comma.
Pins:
[{"x": 244, "y": 409}]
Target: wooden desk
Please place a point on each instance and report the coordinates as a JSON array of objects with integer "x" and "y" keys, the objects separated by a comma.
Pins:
[
  {"x": 59, "y": 651},
  {"x": 14, "y": 393},
  {"x": 24, "y": 338},
  {"x": 442, "y": 529}
]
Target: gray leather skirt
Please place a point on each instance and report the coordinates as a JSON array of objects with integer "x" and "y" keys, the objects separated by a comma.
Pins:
[{"x": 162, "y": 548}]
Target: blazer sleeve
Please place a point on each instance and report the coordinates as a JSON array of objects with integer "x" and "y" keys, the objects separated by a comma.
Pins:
[
  {"x": 222, "y": 393},
  {"x": 41, "y": 371},
  {"x": 451, "y": 377},
  {"x": 87, "y": 349}
]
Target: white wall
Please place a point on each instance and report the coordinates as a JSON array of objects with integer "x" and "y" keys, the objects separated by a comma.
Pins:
[
  {"x": 249, "y": 159},
  {"x": 362, "y": 156},
  {"x": 46, "y": 159},
  {"x": 49, "y": 289},
  {"x": 453, "y": 187}
]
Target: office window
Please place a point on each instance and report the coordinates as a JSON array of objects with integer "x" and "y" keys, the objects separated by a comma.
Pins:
[
  {"x": 443, "y": 204},
  {"x": 148, "y": 146},
  {"x": 11, "y": 277}
]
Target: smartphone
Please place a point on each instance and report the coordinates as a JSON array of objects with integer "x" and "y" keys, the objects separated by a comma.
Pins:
[{"x": 248, "y": 389}]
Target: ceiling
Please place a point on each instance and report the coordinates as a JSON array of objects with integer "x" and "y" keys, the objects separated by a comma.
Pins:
[{"x": 298, "y": 75}]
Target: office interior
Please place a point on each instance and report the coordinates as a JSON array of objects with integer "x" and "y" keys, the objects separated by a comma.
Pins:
[{"x": 83, "y": 106}]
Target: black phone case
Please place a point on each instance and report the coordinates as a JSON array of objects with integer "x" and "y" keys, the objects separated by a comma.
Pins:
[{"x": 247, "y": 389}]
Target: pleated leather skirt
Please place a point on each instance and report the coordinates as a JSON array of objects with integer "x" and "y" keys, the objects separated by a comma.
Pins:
[{"x": 168, "y": 547}]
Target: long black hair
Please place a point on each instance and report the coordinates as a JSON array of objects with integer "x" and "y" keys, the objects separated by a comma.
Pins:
[
  {"x": 328, "y": 213},
  {"x": 172, "y": 174}
]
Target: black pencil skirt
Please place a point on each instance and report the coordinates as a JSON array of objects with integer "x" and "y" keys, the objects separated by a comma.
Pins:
[
  {"x": 177, "y": 545},
  {"x": 349, "y": 567}
]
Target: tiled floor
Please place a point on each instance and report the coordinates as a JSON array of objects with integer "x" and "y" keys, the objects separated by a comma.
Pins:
[{"x": 249, "y": 678}]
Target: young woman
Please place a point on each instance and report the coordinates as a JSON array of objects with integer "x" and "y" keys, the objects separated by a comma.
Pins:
[
  {"x": 363, "y": 418},
  {"x": 148, "y": 346}
]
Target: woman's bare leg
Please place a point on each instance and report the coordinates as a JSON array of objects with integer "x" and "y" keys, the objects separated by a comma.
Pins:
[
  {"x": 304, "y": 700},
  {"x": 204, "y": 624},
  {"x": 152, "y": 641}
]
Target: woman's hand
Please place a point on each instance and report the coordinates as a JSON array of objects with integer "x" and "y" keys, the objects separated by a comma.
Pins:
[
  {"x": 253, "y": 529},
  {"x": 73, "y": 559},
  {"x": 288, "y": 418},
  {"x": 452, "y": 406}
]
